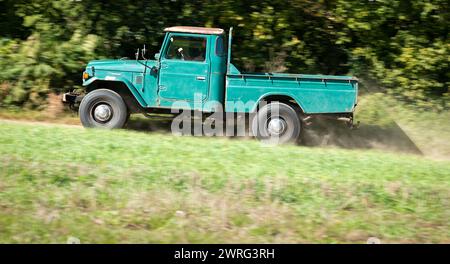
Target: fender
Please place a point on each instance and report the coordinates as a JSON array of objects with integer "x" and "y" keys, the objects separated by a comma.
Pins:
[
  {"x": 119, "y": 79},
  {"x": 276, "y": 94}
]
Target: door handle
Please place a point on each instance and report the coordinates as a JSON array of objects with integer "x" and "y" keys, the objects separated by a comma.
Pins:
[{"x": 201, "y": 78}]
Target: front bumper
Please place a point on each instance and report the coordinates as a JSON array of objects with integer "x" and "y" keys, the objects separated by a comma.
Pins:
[{"x": 72, "y": 99}]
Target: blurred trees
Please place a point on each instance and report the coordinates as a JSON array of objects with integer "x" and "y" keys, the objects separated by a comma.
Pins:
[{"x": 400, "y": 46}]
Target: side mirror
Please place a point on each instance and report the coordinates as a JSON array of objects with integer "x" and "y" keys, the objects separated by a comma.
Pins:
[
  {"x": 157, "y": 55},
  {"x": 137, "y": 54},
  {"x": 143, "y": 51}
]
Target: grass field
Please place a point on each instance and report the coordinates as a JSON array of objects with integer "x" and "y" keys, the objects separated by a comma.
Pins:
[{"x": 126, "y": 186}]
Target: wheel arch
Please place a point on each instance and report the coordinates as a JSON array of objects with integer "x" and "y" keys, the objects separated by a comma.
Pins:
[
  {"x": 132, "y": 98},
  {"x": 279, "y": 97}
]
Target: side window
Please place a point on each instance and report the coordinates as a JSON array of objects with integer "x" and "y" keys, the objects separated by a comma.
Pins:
[
  {"x": 186, "y": 48},
  {"x": 220, "y": 46}
]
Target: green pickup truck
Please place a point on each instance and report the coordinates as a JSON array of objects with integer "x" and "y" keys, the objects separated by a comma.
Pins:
[{"x": 193, "y": 72}]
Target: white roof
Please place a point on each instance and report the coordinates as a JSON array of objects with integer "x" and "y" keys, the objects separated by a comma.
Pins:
[{"x": 197, "y": 30}]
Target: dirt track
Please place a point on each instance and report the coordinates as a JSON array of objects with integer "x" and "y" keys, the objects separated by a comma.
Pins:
[
  {"x": 44, "y": 123},
  {"x": 320, "y": 135}
]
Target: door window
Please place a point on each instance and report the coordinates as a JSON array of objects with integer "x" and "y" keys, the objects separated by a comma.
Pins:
[{"x": 186, "y": 48}]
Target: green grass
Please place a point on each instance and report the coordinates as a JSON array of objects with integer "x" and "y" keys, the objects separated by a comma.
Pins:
[{"x": 125, "y": 187}]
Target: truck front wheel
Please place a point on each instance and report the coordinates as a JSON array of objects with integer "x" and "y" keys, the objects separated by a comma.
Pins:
[
  {"x": 276, "y": 123},
  {"x": 103, "y": 108}
]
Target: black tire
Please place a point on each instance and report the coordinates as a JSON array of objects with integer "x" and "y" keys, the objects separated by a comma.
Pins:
[
  {"x": 114, "y": 115},
  {"x": 283, "y": 116}
]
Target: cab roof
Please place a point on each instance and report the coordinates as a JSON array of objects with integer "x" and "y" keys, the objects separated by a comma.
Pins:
[{"x": 196, "y": 30}]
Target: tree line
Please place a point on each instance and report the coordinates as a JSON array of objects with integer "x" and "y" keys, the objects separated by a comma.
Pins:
[{"x": 398, "y": 47}]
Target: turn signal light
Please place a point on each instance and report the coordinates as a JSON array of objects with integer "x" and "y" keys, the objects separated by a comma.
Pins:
[{"x": 85, "y": 75}]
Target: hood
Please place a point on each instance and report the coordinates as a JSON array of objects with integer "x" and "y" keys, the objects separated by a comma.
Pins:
[{"x": 121, "y": 65}]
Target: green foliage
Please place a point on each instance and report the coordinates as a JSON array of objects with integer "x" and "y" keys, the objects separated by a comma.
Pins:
[{"x": 401, "y": 46}]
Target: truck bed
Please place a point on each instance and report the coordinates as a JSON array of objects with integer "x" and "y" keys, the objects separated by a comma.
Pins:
[{"x": 315, "y": 94}]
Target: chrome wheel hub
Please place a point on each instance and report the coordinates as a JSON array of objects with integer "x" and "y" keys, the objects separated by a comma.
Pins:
[
  {"x": 276, "y": 126},
  {"x": 102, "y": 112}
]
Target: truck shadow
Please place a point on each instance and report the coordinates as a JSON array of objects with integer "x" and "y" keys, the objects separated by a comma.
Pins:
[{"x": 322, "y": 133}]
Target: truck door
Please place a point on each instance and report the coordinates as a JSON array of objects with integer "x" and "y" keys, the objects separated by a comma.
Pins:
[{"x": 184, "y": 69}]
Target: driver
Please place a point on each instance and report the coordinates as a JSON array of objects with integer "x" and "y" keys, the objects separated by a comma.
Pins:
[
  {"x": 193, "y": 53},
  {"x": 198, "y": 53}
]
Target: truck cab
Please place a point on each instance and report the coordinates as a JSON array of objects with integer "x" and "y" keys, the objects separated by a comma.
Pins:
[{"x": 193, "y": 71}]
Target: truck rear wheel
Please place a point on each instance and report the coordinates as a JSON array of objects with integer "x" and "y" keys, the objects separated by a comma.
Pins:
[
  {"x": 276, "y": 123},
  {"x": 103, "y": 108}
]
